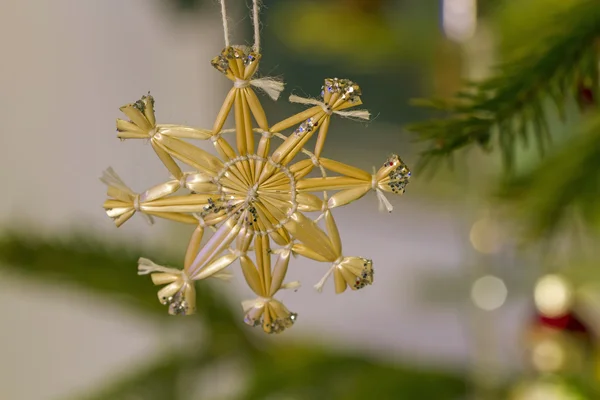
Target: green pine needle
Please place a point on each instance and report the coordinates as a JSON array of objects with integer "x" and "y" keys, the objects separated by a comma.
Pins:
[
  {"x": 563, "y": 189},
  {"x": 508, "y": 107}
]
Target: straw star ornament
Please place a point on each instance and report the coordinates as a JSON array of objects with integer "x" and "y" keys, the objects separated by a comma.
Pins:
[{"x": 256, "y": 195}]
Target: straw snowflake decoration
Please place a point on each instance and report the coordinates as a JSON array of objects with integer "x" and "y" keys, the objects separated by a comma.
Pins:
[{"x": 254, "y": 197}]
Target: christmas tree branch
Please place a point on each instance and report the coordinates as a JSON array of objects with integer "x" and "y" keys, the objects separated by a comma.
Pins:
[
  {"x": 156, "y": 381},
  {"x": 509, "y": 105},
  {"x": 110, "y": 270},
  {"x": 301, "y": 371},
  {"x": 81, "y": 260},
  {"x": 564, "y": 188}
]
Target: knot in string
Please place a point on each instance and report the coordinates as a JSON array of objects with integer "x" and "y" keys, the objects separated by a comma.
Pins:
[
  {"x": 201, "y": 221},
  {"x": 183, "y": 180},
  {"x": 239, "y": 253},
  {"x": 315, "y": 160},
  {"x": 282, "y": 250},
  {"x": 271, "y": 86},
  {"x": 136, "y": 203},
  {"x": 265, "y": 134},
  {"x": 240, "y": 83},
  {"x": 263, "y": 300},
  {"x": 259, "y": 302}
]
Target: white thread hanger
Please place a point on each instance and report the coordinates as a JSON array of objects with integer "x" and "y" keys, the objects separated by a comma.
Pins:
[{"x": 255, "y": 22}]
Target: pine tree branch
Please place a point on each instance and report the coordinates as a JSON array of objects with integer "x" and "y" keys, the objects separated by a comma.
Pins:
[
  {"x": 291, "y": 369},
  {"x": 563, "y": 187},
  {"x": 509, "y": 105},
  {"x": 110, "y": 270},
  {"x": 157, "y": 381},
  {"x": 302, "y": 372},
  {"x": 103, "y": 269}
]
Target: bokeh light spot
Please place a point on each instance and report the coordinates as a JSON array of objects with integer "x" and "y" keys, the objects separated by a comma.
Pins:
[{"x": 489, "y": 293}]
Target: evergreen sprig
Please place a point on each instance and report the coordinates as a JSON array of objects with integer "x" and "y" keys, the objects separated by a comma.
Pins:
[
  {"x": 108, "y": 269},
  {"x": 564, "y": 187},
  {"x": 509, "y": 105},
  {"x": 274, "y": 369}
]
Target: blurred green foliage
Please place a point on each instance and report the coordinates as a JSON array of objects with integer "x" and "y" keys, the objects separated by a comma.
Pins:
[
  {"x": 563, "y": 188},
  {"x": 296, "y": 370},
  {"x": 559, "y": 64},
  {"x": 532, "y": 20},
  {"x": 392, "y": 35},
  {"x": 508, "y": 106}
]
